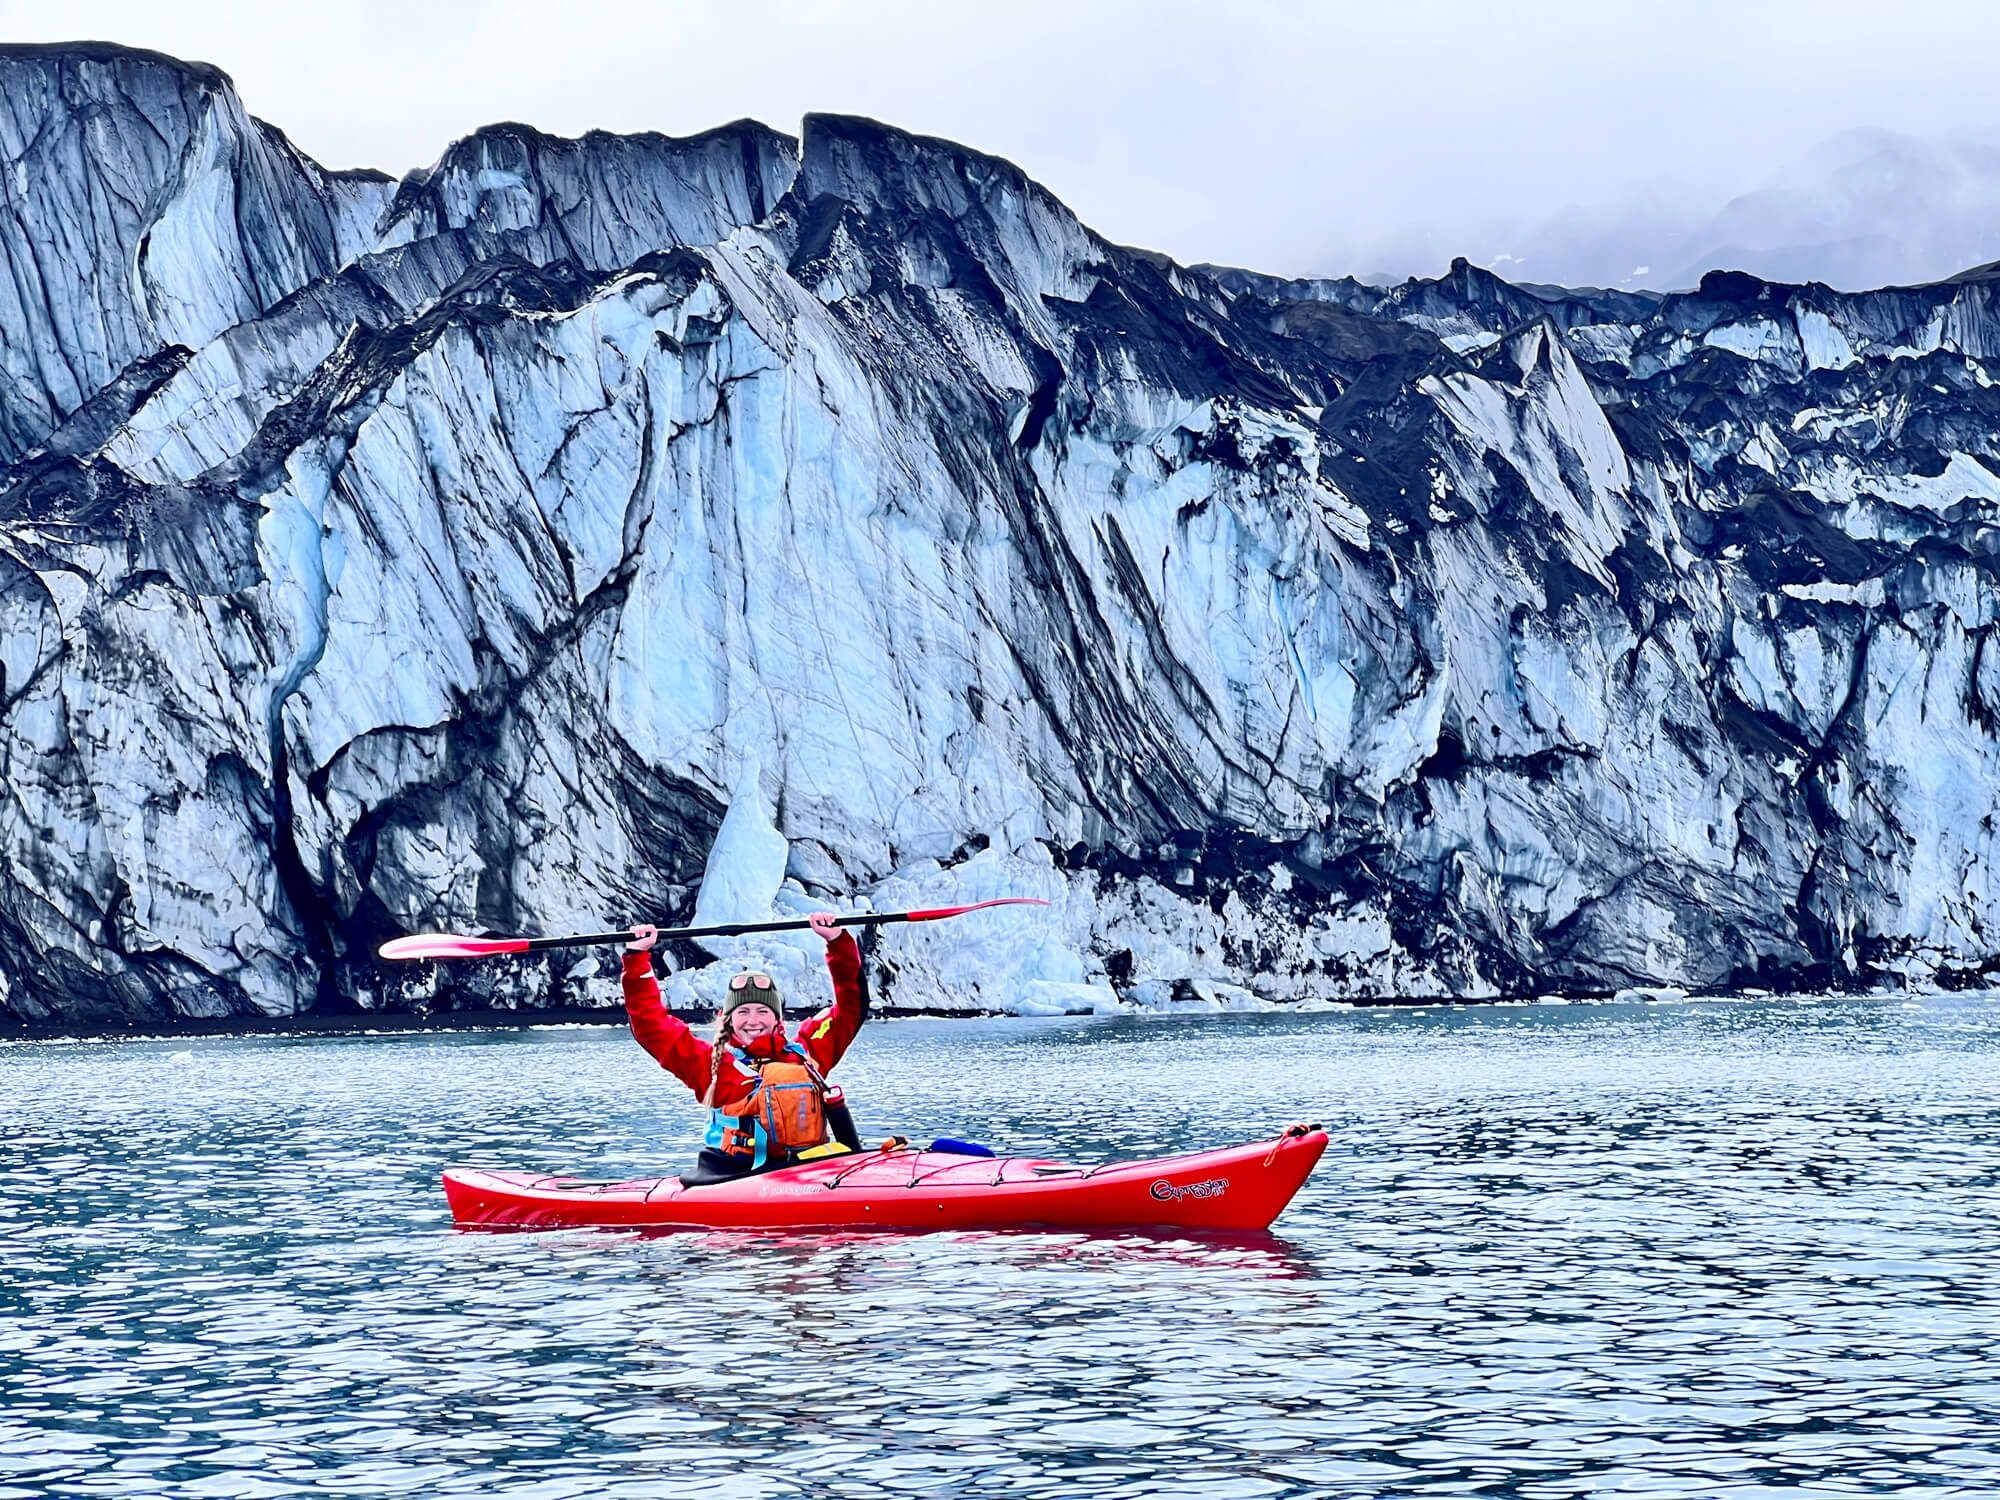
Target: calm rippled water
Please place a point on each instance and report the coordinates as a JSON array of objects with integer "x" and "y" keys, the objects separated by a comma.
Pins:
[{"x": 1703, "y": 1249}]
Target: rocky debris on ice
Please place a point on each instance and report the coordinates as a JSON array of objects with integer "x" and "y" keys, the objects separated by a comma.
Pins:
[{"x": 382, "y": 556}]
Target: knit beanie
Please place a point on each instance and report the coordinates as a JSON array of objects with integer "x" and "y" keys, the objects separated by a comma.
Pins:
[{"x": 751, "y": 994}]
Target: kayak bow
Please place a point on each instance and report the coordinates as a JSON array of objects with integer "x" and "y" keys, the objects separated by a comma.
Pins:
[{"x": 1238, "y": 1187}]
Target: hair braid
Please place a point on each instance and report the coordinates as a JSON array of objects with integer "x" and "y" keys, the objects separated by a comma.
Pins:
[{"x": 715, "y": 1062}]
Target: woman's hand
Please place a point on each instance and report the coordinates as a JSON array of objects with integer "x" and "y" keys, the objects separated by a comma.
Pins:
[
  {"x": 823, "y": 924},
  {"x": 643, "y": 938}
]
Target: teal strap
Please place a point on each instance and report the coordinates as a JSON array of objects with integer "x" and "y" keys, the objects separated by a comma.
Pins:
[{"x": 762, "y": 1154}]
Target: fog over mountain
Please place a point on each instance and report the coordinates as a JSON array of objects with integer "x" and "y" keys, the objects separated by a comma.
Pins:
[
  {"x": 1865, "y": 208},
  {"x": 1341, "y": 138},
  {"x": 482, "y": 549}
]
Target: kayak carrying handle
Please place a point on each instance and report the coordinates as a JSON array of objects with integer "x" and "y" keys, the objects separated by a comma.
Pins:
[{"x": 1289, "y": 1133}]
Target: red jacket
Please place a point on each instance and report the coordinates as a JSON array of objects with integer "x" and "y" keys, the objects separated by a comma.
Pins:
[{"x": 824, "y": 1036}]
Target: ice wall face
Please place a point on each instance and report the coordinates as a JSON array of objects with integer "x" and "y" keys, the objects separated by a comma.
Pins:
[
  {"x": 602, "y": 202},
  {"x": 456, "y": 567},
  {"x": 144, "y": 209}
]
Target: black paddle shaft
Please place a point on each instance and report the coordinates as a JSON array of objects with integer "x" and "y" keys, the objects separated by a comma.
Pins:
[{"x": 731, "y": 929}]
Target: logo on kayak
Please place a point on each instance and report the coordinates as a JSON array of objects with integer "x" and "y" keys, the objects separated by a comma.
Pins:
[{"x": 1168, "y": 1192}]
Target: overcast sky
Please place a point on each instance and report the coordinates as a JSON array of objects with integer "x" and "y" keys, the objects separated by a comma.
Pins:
[{"x": 1296, "y": 138}]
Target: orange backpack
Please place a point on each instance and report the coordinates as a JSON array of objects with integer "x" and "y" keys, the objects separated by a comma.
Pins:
[{"x": 789, "y": 1105}]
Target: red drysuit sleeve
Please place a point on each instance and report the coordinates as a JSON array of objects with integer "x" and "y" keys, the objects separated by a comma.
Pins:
[
  {"x": 826, "y": 1035},
  {"x": 667, "y": 1037}
]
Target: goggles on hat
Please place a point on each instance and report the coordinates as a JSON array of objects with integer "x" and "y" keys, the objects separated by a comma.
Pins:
[{"x": 761, "y": 981}]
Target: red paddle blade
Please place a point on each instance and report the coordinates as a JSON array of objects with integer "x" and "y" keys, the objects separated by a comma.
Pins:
[
  {"x": 955, "y": 911},
  {"x": 447, "y": 945}
]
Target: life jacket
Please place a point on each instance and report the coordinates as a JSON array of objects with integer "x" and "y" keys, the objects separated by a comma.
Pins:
[{"x": 786, "y": 1112}]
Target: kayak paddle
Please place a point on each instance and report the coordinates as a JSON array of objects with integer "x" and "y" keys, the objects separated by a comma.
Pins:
[{"x": 450, "y": 945}]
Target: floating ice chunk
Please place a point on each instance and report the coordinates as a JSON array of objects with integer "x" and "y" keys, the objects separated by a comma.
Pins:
[
  {"x": 1198, "y": 996},
  {"x": 1045, "y": 997},
  {"x": 1029, "y": 1005}
]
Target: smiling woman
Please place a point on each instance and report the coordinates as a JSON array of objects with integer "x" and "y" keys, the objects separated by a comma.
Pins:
[{"x": 766, "y": 1093}]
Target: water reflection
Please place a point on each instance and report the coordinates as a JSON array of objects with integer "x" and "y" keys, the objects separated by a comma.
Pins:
[
  {"x": 1730, "y": 1250},
  {"x": 1195, "y": 1249}
]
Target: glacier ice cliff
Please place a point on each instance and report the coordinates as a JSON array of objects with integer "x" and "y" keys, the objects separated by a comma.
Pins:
[{"x": 454, "y": 552}]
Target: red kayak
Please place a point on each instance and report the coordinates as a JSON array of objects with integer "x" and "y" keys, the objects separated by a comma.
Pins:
[{"x": 1239, "y": 1187}]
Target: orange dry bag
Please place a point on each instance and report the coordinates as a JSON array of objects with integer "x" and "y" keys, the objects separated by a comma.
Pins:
[{"x": 789, "y": 1105}]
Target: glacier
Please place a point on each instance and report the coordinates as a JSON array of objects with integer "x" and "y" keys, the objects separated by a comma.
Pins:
[{"x": 474, "y": 551}]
